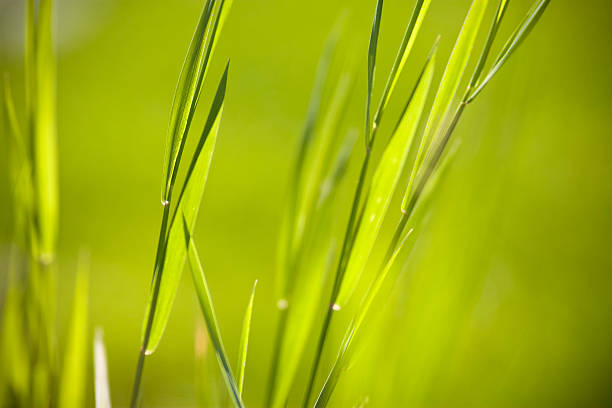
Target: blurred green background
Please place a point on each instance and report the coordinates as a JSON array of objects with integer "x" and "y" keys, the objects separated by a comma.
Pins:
[{"x": 506, "y": 298}]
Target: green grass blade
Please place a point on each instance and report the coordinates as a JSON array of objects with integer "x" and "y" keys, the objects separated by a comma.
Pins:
[
  {"x": 343, "y": 358},
  {"x": 188, "y": 89},
  {"x": 44, "y": 134},
  {"x": 74, "y": 373},
  {"x": 315, "y": 266},
  {"x": 101, "y": 387},
  {"x": 414, "y": 26},
  {"x": 317, "y": 164},
  {"x": 385, "y": 181},
  {"x": 448, "y": 86},
  {"x": 244, "y": 340},
  {"x": 499, "y": 15},
  {"x": 302, "y": 315},
  {"x": 188, "y": 204},
  {"x": 372, "y": 67},
  {"x": 515, "y": 40},
  {"x": 286, "y": 245},
  {"x": 208, "y": 310},
  {"x": 15, "y": 368}
]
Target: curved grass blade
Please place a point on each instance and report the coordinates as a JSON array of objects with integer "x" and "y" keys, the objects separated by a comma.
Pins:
[
  {"x": 163, "y": 293},
  {"x": 74, "y": 373},
  {"x": 414, "y": 26},
  {"x": 101, "y": 387},
  {"x": 343, "y": 358},
  {"x": 208, "y": 310},
  {"x": 286, "y": 240},
  {"x": 385, "y": 181},
  {"x": 244, "y": 340},
  {"x": 189, "y": 88},
  {"x": 306, "y": 301},
  {"x": 515, "y": 40},
  {"x": 448, "y": 86},
  {"x": 372, "y": 67},
  {"x": 44, "y": 133}
]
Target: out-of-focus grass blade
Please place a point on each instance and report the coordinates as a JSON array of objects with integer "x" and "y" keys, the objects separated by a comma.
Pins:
[
  {"x": 515, "y": 40},
  {"x": 286, "y": 244},
  {"x": 448, "y": 86},
  {"x": 418, "y": 15},
  {"x": 244, "y": 340},
  {"x": 385, "y": 181},
  {"x": 15, "y": 368},
  {"x": 101, "y": 387},
  {"x": 320, "y": 157},
  {"x": 189, "y": 87},
  {"x": 44, "y": 143},
  {"x": 208, "y": 310},
  {"x": 302, "y": 315},
  {"x": 188, "y": 204},
  {"x": 343, "y": 357},
  {"x": 74, "y": 372},
  {"x": 372, "y": 67},
  {"x": 20, "y": 169},
  {"x": 315, "y": 267}
]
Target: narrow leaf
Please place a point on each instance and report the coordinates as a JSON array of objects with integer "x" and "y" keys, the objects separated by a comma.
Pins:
[
  {"x": 286, "y": 244},
  {"x": 188, "y": 204},
  {"x": 448, "y": 86},
  {"x": 372, "y": 66},
  {"x": 343, "y": 358},
  {"x": 414, "y": 26},
  {"x": 244, "y": 340},
  {"x": 315, "y": 264},
  {"x": 515, "y": 40},
  {"x": 74, "y": 372},
  {"x": 210, "y": 318},
  {"x": 101, "y": 387},
  {"x": 385, "y": 181},
  {"x": 44, "y": 134},
  {"x": 188, "y": 89},
  {"x": 501, "y": 10}
]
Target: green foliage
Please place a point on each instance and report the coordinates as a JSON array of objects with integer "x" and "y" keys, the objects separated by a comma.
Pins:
[
  {"x": 189, "y": 87},
  {"x": 167, "y": 277},
  {"x": 244, "y": 340},
  {"x": 208, "y": 310},
  {"x": 75, "y": 369}
]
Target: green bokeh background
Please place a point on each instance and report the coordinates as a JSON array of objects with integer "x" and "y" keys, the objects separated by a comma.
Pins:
[{"x": 506, "y": 298}]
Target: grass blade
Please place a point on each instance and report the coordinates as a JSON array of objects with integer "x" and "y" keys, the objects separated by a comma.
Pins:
[
  {"x": 208, "y": 310},
  {"x": 385, "y": 181},
  {"x": 343, "y": 358},
  {"x": 414, "y": 26},
  {"x": 499, "y": 15},
  {"x": 244, "y": 340},
  {"x": 289, "y": 222},
  {"x": 15, "y": 370},
  {"x": 372, "y": 67},
  {"x": 74, "y": 373},
  {"x": 169, "y": 274},
  {"x": 44, "y": 133},
  {"x": 101, "y": 387},
  {"x": 515, "y": 40},
  {"x": 188, "y": 89},
  {"x": 319, "y": 255},
  {"x": 448, "y": 86}
]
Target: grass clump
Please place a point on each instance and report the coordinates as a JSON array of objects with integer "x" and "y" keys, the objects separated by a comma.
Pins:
[{"x": 319, "y": 273}]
